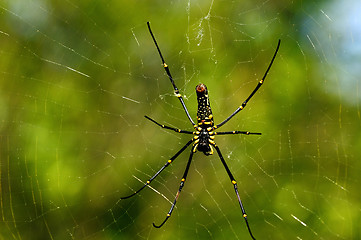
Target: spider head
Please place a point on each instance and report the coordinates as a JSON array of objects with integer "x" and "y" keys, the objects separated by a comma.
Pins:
[{"x": 205, "y": 148}]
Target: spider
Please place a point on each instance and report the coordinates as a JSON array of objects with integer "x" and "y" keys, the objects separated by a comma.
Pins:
[{"x": 204, "y": 134}]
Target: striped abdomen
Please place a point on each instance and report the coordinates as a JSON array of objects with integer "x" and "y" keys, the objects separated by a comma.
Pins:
[{"x": 204, "y": 113}]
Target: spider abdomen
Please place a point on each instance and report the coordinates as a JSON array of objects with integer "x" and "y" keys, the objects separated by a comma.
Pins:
[{"x": 204, "y": 112}]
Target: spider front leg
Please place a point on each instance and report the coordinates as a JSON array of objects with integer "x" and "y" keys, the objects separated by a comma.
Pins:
[
  {"x": 235, "y": 187},
  {"x": 160, "y": 170},
  {"x": 179, "y": 190}
]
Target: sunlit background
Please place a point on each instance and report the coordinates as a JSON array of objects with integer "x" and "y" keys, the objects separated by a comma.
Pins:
[{"x": 77, "y": 78}]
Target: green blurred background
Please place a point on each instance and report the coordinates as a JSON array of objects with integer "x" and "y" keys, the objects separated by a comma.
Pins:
[{"x": 77, "y": 77}]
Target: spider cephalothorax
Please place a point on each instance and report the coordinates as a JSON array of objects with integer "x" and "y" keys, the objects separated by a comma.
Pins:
[
  {"x": 203, "y": 141},
  {"x": 204, "y": 133}
]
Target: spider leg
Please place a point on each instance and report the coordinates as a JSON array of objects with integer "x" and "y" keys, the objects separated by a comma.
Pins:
[
  {"x": 236, "y": 132},
  {"x": 179, "y": 190},
  {"x": 160, "y": 170},
  {"x": 253, "y": 92},
  {"x": 167, "y": 127},
  {"x": 235, "y": 187},
  {"x": 166, "y": 68}
]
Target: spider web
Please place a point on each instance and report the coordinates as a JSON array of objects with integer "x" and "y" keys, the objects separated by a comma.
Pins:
[{"x": 78, "y": 77}]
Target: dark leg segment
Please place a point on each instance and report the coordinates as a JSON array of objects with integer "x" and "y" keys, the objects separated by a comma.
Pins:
[
  {"x": 160, "y": 170},
  {"x": 166, "y": 68},
  {"x": 237, "y": 132},
  {"x": 253, "y": 92},
  {"x": 179, "y": 190},
  {"x": 235, "y": 188},
  {"x": 167, "y": 127}
]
